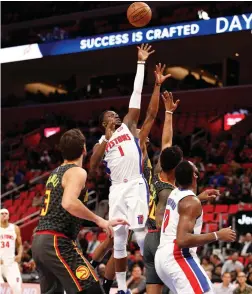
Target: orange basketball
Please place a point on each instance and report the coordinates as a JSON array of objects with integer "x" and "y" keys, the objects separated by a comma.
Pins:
[{"x": 139, "y": 14}]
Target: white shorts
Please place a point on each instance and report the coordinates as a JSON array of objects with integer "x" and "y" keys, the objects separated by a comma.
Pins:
[
  {"x": 130, "y": 201},
  {"x": 181, "y": 271},
  {"x": 12, "y": 274}
]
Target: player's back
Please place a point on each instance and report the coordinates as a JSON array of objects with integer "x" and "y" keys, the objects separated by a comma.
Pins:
[
  {"x": 123, "y": 156},
  {"x": 171, "y": 219},
  {"x": 8, "y": 240},
  {"x": 53, "y": 217}
]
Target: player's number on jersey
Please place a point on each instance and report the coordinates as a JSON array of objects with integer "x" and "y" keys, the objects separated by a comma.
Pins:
[
  {"x": 5, "y": 244},
  {"x": 121, "y": 150},
  {"x": 166, "y": 219},
  {"x": 46, "y": 203}
]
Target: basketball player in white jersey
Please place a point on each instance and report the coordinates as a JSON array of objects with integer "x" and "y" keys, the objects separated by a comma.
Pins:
[
  {"x": 10, "y": 241},
  {"x": 122, "y": 154},
  {"x": 176, "y": 260}
]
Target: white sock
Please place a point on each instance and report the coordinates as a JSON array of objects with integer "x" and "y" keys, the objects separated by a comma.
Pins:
[{"x": 121, "y": 281}]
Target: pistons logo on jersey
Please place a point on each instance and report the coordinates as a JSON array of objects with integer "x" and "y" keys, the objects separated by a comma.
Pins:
[{"x": 140, "y": 219}]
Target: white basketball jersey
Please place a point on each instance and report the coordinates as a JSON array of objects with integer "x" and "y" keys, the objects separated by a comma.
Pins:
[
  {"x": 123, "y": 156},
  {"x": 7, "y": 244},
  {"x": 171, "y": 218}
]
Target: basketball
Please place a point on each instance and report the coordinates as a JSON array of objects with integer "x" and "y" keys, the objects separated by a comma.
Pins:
[{"x": 139, "y": 14}]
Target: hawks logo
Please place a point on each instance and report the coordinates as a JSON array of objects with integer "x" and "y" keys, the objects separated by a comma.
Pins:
[{"x": 82, "y": 272}]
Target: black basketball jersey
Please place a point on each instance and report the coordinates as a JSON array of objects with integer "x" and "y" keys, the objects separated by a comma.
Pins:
[
  {"x": 53, "y": 217},
  {"x": 156, "y": 186}
]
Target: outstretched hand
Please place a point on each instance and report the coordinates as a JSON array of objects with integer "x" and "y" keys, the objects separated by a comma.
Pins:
[
  {"x": 208, "y": 194},
  {"x": 144, "y": 52},
  {"x": 168, "y": 101},
  {"x": 108, "y": 225},
  {"x": 159, "y": 74}
]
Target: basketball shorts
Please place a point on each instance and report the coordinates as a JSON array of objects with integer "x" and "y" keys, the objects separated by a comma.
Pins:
[
  {"x": 181, "y": 271},
  {"x": 62, "y": 266},
  {"x": 12, "y": 275},
  {"x": 130, "y": 201},
  {"x": 151, "y": 244}
]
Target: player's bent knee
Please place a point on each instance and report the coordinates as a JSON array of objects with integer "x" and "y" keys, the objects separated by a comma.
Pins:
[
  {"x": 140, "y": 235},
  {"x": 120, "y": 242}
]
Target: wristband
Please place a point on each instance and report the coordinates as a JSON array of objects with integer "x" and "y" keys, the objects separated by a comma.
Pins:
[
  {"x": 168, "y": 111},
  {"x": 216, "y": 236},
  {"x": 105, "y": 140},
  {"x": 141, "y": 62}
]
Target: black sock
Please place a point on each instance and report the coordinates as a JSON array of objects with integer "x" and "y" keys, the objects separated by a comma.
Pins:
[
  {"x": 94, "y": 263},
  {"x": 107, "y": 285}
]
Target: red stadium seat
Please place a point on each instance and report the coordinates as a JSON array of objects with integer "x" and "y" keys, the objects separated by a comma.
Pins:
[
  {"x": 208, "y": 217},
  {"x": 102, "y": 236},
  {"x": 213, "y": 227},
  {"x": 89, "y": 236},
  {"x": 27, "y": 203},
  {"x": 233, "y": 209},
  {"x": 17, "y": 202},
  {"x": 23, "y": 195},
  {"x": 8, "y": 203},
  {"x": 32, "y": 194},
  {"x": 222, "y": 217},
  {"x": 247, "y": 165},
  {"x": 208, "y": 208},
  {"x": 39, "y": 187},
  {"x": 219, "y": 208},
  {"x": 247, "y": 206}
]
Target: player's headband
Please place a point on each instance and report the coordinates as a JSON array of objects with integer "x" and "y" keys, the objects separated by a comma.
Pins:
[{"x": 4, "y": 210}]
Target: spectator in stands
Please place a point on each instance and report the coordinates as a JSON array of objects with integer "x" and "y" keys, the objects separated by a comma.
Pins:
[
  {"x": 93, "y": 244},
  {"x": 215, "y": 260},
  {"x": 243, "y": 287},
  {"x": 137, "y": 282},
  {"x": 205, "y": 263},
  {"x": 216, "y": 277},
  {"x": 249, "y": 280},
  {"x": 101, "y": 271},
  {"x": 45, "y": 160},
  {"x": 249, "y": 264},
  {"x": 11, "y": 184},
  {"x": 37, "y": 200},
  {"x": 246, "y": 246},
  {"x": 225, "y": 287},
  {"x": 217, "y": 180},
  {"x": 233, "y": 264},
  {"x": 139, "y": 259}
]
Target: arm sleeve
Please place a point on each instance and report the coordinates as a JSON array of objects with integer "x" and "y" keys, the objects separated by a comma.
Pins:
[{"x": 135, "y": 99}]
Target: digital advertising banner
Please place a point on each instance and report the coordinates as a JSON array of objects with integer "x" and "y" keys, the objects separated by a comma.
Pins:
[{"x": 220, "y": 25}]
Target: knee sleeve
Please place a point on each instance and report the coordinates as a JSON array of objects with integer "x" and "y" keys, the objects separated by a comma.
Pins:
[
  {"x": 140, "y": 236},
  {"x": 120, "y": 241}
]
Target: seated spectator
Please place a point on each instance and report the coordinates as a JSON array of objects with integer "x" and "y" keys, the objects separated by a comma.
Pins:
[
  {"x": 45, "y": 160},
  {"x": 101, "y": 271},
  {"x": 249, "y": 279},
  {"x": 37, "y": 200},
  {"x": 217, "y": 180},
  {"x": 243, "y": 287},
  {"x": 246, "y": 247},
  {"x": 216, "y": 276},
  {"x": 225, "y": 286},
  {"x": 215, "y": 260},
  {"x": 93, "y": 244},
  {"x": 137, "y": 282},
  {"x": 10, "y": 185},
  {"x": 232, "y": 265},
  {"x": 205, "y": 263}
]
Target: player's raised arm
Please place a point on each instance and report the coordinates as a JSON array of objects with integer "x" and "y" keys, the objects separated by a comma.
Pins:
[
  {"x": 189, "y": 210},
  {"x": 153, "y": 105},
  {"x": 167, "y": 134},
  {"x": 73, "y": 182},
  {"x": 19, "y": 245},
  {"x": 132, "y": 117},
  {"x": 99, "y": 148}
]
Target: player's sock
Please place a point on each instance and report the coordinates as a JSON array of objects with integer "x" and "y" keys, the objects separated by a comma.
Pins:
[
  {"x": 107, "y": 285},
  {"x": 121, "y": 281},
  {"x": 94, "y": 263}
]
